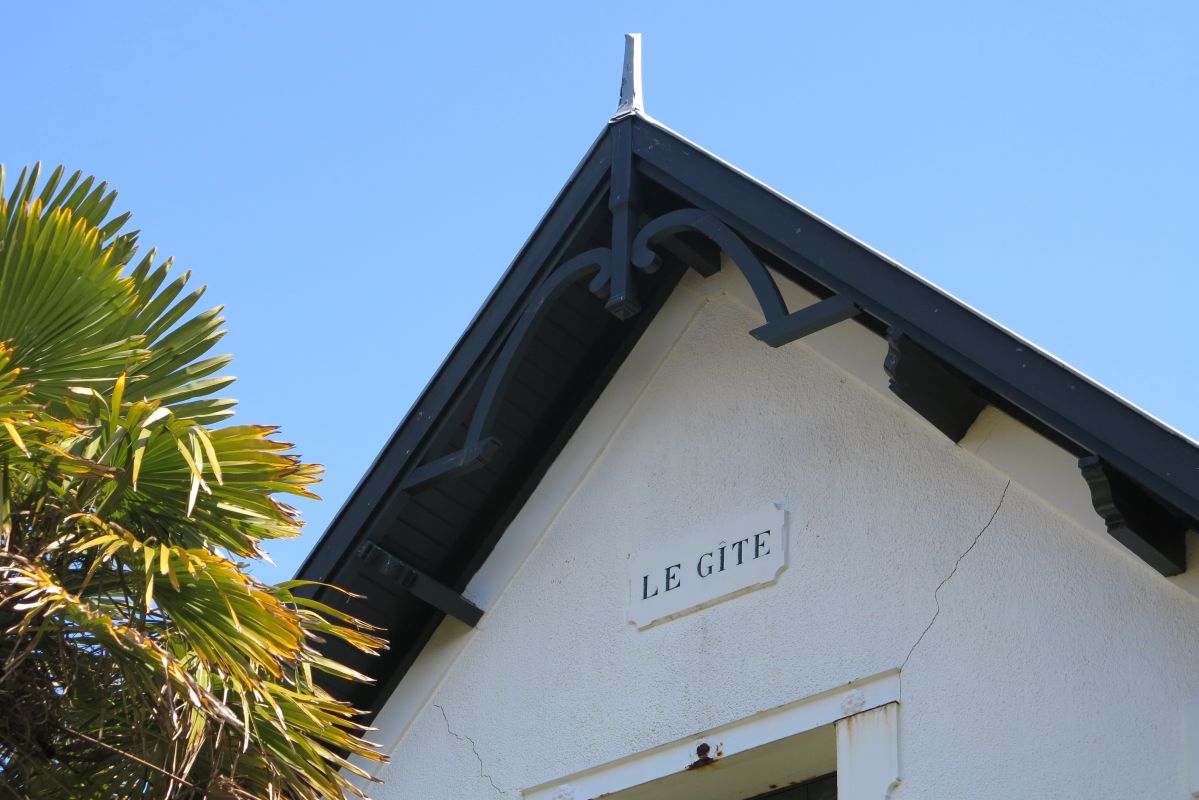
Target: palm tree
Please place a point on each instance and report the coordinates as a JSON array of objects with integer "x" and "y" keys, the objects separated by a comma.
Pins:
[{"x": 137, "y": 656}]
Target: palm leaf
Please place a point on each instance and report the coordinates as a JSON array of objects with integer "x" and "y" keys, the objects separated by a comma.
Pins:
[{"x": 137, "y": 657}]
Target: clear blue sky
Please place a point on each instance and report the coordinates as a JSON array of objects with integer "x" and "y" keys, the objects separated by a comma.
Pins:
[{"x": 351, "y": 179}]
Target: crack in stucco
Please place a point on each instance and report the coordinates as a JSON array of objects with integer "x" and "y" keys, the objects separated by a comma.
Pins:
[
  {"x": 952, "y": 572},
  {"x": 473, "y": 747}
]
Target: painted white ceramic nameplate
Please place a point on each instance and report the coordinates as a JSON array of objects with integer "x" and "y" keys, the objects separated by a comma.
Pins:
[{"x": 707, "y": 565}]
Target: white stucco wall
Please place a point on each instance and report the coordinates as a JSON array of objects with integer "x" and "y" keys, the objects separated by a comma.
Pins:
[{"x": 1037, "y": 657}]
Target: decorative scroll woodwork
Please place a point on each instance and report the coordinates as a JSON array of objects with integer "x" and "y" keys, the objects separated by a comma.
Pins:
[
  {"x": 693, "y": 219},
  {"x": 594, "y": 264},
  {"x": 1135, "y": 518},
  {"x": 933, "y": 389},
  {"x": 700, "y": 254},
  {"x": 404, "y": 577},
  {"x": 781, "y": 327},
  {"x": 610, "y": 271}
]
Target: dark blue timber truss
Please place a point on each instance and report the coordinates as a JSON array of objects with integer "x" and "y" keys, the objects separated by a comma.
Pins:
[
  {"x": 609, "y": 275},
  {"x": 643, "y": 207}
]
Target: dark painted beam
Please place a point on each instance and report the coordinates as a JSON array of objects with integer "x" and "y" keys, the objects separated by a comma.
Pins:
[
  {"x": 622, "y": 202},
  {"x": 806, "y": 321},
  {"x": 458, "y": 463},
  {"x": 933, "y": 389},
  {"x": 404, "y": 577},
  {"x": 1137, "y": 520}
]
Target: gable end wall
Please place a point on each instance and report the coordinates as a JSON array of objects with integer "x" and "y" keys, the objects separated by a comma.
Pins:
[{"x": 1038, "y": 658}]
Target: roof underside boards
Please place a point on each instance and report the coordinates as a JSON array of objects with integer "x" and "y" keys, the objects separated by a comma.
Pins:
[{"x": 643, "y": 206}]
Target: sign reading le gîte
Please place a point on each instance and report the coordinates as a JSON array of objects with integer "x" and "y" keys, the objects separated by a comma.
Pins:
[{"x": 707, "y": 565}]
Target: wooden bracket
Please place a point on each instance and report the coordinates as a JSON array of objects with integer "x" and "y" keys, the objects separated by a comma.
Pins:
[
  {"x": 932, "y": 388},
  {"x": 407, "y": 578},
  {"x": 805, "y": 321},
  {"x": 459, "y": 463},
  {"x": 1135, "y": 518}
]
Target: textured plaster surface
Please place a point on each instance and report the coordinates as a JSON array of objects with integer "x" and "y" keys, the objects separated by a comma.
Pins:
[{"x": 1039, "y": 658}]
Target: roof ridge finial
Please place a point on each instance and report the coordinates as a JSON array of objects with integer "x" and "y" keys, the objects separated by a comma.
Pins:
[{"x": 632, "y": 101}]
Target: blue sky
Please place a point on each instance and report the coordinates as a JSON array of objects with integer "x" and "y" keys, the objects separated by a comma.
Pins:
[{"x": 351, "y": 179}]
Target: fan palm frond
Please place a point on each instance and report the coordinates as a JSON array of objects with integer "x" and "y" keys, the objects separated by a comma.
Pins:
[{"x": 137, "y": 656}]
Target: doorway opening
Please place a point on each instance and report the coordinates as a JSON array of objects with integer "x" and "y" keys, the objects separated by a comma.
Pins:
[
  {"x": 798, "y": 767},
  {"x": 822, "y": 788}
]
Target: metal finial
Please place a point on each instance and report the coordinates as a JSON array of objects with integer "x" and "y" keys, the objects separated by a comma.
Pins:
[{"x": 632, "y": 101}]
